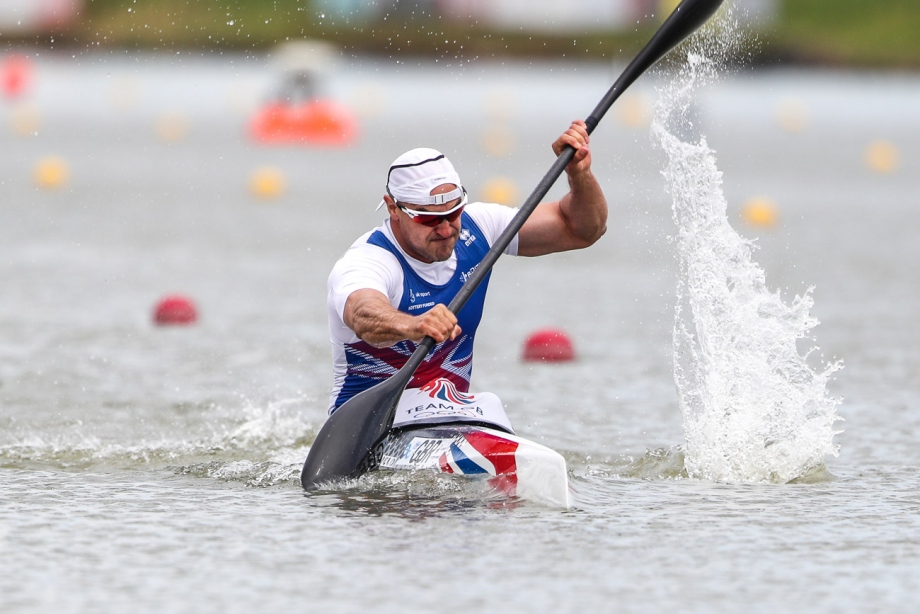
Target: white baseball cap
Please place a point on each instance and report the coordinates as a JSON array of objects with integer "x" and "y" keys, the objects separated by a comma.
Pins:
[{"x": 413, "y": 175}]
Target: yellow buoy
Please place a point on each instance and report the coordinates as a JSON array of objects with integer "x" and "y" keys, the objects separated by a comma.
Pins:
[
  {"x": 25, "y": 119},
  {"x": 498, "y": 140},
  {"x": 882, "y": 157},
  {"x": 500, "y": 190},
  {"x": 761, "y": 212},
  {"x": 172, "y": 127},
  {"x": 633, "y": 110},
  {"x": 51, "y": 173},
  {"x": 792, "y": 115},
  {"x": 267, "y": 183}
]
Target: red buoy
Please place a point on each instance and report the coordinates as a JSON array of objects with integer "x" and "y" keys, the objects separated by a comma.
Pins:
[
  {"x": 175, "y": 310},
  {"x": 548, "y": 345},
  {"x": 15, "y": 74}
]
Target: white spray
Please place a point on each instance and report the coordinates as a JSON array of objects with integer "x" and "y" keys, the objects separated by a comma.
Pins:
[{"x": 754, "y": 410}]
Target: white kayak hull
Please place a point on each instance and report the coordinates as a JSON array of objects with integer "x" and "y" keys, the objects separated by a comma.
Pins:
[{"x": 514, "y": 465}]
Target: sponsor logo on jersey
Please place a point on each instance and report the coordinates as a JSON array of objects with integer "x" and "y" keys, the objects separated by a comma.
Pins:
[
  {"x": 464, "y": 277},
  {"x": 413, "y": 295}
]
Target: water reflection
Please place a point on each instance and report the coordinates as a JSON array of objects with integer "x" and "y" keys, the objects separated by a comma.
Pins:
[{"x": 415, "y": 496}]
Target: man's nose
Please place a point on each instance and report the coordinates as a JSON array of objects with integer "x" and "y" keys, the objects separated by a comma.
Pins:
[{"x": 444, "y": 229}]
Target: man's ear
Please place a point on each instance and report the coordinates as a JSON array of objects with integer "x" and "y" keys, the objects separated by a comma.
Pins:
[{"x": 391, "y": 204}]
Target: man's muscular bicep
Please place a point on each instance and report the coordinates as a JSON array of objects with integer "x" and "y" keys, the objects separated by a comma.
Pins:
[
  {"x": 370, "y": 315},
  {"x": 360, "y": 304},
  {"x": 373, "y": 319}
]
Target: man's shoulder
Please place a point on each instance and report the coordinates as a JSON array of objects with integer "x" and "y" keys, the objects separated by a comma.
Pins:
[
  {"x": 363, "y": 239},
  {"x": 491, "y": 218},
  {"x": 364, "y": 252},
  {"x": 366, "y": 244}
]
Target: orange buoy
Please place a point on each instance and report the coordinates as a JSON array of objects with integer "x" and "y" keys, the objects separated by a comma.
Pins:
[
  {"x": 52, "y": 173},
  {"x": 548, "y": 345},
  {"x": 267, "y": 183},
  {"x": 635, "y": 111},
  {"x": 761, "y": 212},
  {"x": 318, "y": 122},
  {"x": 882, "y": 157},
  {"x": 15, "y": 74},
  {"x": 500, "y": 190},
  {"x": 175, "y": 310}
]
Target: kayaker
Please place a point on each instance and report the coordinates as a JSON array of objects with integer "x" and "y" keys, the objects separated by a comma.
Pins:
[{"x": 391, "y": 288}]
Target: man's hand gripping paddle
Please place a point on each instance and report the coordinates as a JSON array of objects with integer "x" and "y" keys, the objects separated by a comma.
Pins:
[{"x": 345, "y": 445}]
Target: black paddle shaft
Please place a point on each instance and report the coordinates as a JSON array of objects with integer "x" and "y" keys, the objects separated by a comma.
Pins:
[{"x": 346, "y": 445}]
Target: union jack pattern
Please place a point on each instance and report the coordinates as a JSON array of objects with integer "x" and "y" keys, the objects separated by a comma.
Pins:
[
  {"x": 480, "y": 452},
  {"x": 446, "y": 391},
  {"x": 363, "y": 362},
  {"x": 462, "y": 366},
  {"x": 368, "y": 365}
]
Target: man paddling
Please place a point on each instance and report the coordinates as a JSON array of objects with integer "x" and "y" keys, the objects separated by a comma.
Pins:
[{"x": 391, "y": 287}]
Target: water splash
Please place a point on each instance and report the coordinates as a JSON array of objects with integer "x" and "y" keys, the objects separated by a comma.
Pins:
[
  {"x": 261, "y": 444},
  {"x": 754, "y": 409}
]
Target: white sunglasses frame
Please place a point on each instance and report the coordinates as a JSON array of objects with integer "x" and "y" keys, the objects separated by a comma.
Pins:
[{"x": 412, "y": 213}]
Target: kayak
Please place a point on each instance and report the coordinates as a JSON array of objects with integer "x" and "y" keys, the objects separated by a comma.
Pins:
[
  {"x": 438, "y": 428},
  {"x": 512, "y": 465}
]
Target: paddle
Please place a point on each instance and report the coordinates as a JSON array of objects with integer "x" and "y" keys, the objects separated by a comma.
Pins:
[{"x": 345, "y": 445}]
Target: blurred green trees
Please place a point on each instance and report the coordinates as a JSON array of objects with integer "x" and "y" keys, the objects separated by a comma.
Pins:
[
  {"x": 840, "y": 32},
  {"x": 860, "y": 32}
]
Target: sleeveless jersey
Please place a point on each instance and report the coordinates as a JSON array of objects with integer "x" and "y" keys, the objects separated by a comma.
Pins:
[{"x": 367, "y": 365}]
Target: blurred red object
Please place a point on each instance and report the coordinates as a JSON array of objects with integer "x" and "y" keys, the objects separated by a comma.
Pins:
[
  {"x": 56, "y": 14},
  {"x": 318, "y": 122},
  {"x": 173, "y": 310},
  {"x": 548, "y": 345},
  {"x": 38, "y": 17},
  {"x": 15, "y": 75}
]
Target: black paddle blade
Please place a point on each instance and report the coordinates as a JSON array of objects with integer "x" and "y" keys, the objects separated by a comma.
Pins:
[
  {"x": 342, "y": 446},
  {"x": 684, "y": 21}
]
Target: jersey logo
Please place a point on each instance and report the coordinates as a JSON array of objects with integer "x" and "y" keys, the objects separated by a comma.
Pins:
[
  {"x": 417, "y": 295},
  {"x": 466, "y": 237},
  {"x": 465, "y": 277},
  {"x": 445, "y": 390}
]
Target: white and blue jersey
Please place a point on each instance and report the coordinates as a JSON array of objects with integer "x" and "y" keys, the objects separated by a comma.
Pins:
[{"x": 376, "y": 261}]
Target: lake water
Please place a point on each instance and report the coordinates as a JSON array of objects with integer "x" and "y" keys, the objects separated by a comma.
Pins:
[{"x": 157, "y": 469}]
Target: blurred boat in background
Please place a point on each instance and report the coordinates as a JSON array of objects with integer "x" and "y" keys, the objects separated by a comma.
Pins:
[{"x": 297, "y": 113}]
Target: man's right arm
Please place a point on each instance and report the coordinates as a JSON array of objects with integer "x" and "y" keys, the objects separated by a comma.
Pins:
[{"x": 369, "y": 314}]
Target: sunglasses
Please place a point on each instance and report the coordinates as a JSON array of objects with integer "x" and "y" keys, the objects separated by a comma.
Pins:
[{"x": 432, "y": 220}]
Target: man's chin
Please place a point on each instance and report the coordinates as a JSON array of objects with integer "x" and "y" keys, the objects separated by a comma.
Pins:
[{"x": 442, "y": 252}]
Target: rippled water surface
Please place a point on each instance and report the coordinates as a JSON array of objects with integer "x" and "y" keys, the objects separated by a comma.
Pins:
[{"x": 156, "y": 469}]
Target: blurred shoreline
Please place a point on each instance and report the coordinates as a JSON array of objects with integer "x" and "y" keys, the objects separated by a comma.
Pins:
[{"x": 817, "y": 33}]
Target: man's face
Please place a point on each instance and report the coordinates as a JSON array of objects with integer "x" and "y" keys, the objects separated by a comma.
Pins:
[{"x": 428, "y": 244}]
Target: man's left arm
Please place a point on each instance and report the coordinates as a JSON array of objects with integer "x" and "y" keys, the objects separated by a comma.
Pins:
[{"x": 579, "y": 218}]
